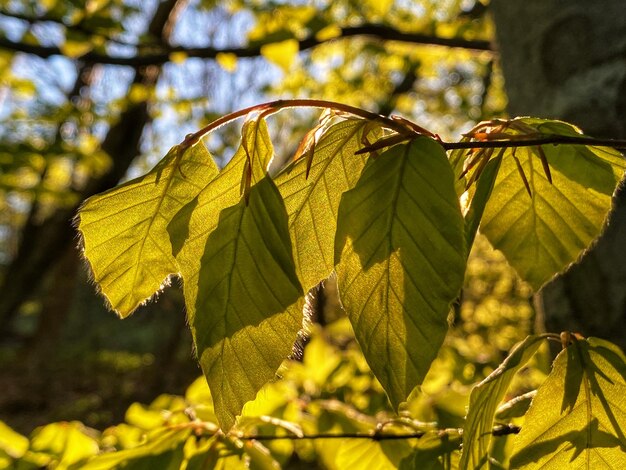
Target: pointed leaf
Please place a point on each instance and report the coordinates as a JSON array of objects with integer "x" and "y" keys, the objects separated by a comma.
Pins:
[
  {"x": 485, "y": 398},
  {"x": 541, "y": 233},
  {"x": 312, "y": 202},
  {"x": 479, "y": 200},
  {"x": 578, "y": 417},
  {"x": 124, "y": 229},
  {"x": 241, "y": 290},
  {"x": 401, "y": 259}
]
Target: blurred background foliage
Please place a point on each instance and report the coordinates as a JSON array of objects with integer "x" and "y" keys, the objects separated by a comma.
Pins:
[{"x": 95, "y": 91}]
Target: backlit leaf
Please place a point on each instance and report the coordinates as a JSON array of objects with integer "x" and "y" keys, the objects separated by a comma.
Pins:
[
  {"x": 401, "y": 257},
  {"x": 542, "y": 233},
  {"x": 218, "y": 453},
  {"x": 485, "y": 398},
  {"x": 281, "y": 53},
  {"x": 76, "y": 44},
  {"x": 578, "y": 417},
  {"x": 312, "y": 203},
  {"x": 434, "y": 451},
  {"x": 11, "y": 442},
  {"x": 124, "y": 230},
  {"x": 227, "y": 61},
  {"x": 242, "y": 294},
  {"x": 66, "y": 442},
  {"x": 370, "y": 454},
  {"x": 163, "y": 450}
]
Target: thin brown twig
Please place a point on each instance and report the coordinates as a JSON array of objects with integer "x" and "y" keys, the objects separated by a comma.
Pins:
[
  {"x": 545, "y": 140},
  {"x": 377, "y": 31},
  {"x": 401, "y": 127},
  {"x": 498, "y": 430}
]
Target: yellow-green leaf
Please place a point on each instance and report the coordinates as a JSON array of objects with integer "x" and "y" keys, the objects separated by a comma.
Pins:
[
  {"x": 163, "y": 449},
  {"x": 12, "y": 443},
  {"x": 312, "y": 203},
  {"x": 485, "y": 397},
  {"x": 578, "y": 417},
  {"x": 66, "y": 442},
  {"x": 124, "y": 230},
  {"x": 541, "y": 233},
  {"x": 242, "y": 294},
  {"x": 281, "y": 53},
  {"x": 227, "y": 60},
  {"x": 371, "y": 454},
  {"x": 401, "y": 257},
  {"x": 76, "y": 44}
]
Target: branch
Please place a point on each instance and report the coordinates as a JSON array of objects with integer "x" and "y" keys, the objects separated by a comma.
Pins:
[
  {"x": 78, "y": 27},
  {"x": 376, "y": 31},
  {"x": 405, "y": 130},
  {"x": 619, "y": 144},
  {"x": 498, "y": 430}
]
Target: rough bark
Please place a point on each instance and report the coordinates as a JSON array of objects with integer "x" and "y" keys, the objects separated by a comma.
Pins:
[{"x": 566, "y": 59}]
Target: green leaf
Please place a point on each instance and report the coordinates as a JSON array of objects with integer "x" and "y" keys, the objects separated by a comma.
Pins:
[
  {"x": 542, "y": 233},
  {"x": 485, "y": 398},
  {"x": 312, "y": 202},
  {"x": 124, "y": 229},
  {"x": 282, "y": 54},
  {"x": 435, "y": 450},
  {"x": 67, "y": 442},
  {"x": 369, "y": 454},
  {"x": 76, "y": 44},
  {"x": 241, "y": 290},
  {"x": 217, "y": 453},
  {"x": 401, "y": 259},
  {"x": 11, "y": 442},
  {"x": 259, "y": 456},
  {"x": 164, "y": 450},
  {"x": 480, "y": 198},
  {"x": 578, "y": 417}
]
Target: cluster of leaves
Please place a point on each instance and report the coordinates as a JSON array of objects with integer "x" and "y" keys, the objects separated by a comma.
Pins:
[
  {"x": 377, "y": 202},
  {"x": 332, "y": 392}
]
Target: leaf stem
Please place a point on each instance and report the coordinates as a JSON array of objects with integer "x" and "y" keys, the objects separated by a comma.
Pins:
[
  {"x": 548, "y": 139},
  {"x": 402, "y": 127},
  {"x": 274, "y": 106},
  {"x": 498, "y": 430}
]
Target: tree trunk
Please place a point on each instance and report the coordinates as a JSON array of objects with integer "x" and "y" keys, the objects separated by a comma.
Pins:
[
  {"x": 566, "y": 59},
  {"x": 44, "y": 243}
]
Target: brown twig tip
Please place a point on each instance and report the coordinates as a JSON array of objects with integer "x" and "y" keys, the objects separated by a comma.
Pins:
[
  {"x": 522, "y": 174},
  {"x": 544, "y": 163}
]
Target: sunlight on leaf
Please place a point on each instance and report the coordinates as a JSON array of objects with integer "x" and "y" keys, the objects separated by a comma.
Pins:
[
  {"x": 328, "y": 32},
  {"x": 217, "y": 453},
  {"x": 401, "y": 257},
  {"x": 227, "y": 61},
  {"x": 67, "y": 443},
  {"x": 367, "y": 453},
  {"x": 485, "y": 397},
  {"x": 11, "y": 442},
  {"x": 434, "y": 451},
  {"x": 282, "y": 53},
  {"x": 243, "y": 298},
  {"x": 312, "y": 203},
  {"x": 76, "y": 44},
  {"x": 164, "y": 449},
  {"x": 542, "y": 233},
  {"x": 124, "y": 230},
  {"x": 578, "y": 417}
]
